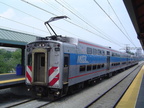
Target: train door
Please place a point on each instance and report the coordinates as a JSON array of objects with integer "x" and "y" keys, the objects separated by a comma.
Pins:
[
  {"x": 108, "y": 60},
  {"x": 39, "y": 67},
  {"x": 66, "y": 69}
]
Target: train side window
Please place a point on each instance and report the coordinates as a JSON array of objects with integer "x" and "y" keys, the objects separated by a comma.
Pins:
[
  {"x": 89, "y": 50},
  {"x": 82, "y": 68},
  {"x": 99, "y": 66},
  {"x": 99, "y": 52},
  {"x": 103, "y": 52},
  {"x": 108, "y": 53},
  {"x": 94, "y": 51},
  {"x": 88, "y": 67},
  {"x": 29, "y": 60},
  {"x": 66, "y": 61},
  {"x": 94, "y": 66}
]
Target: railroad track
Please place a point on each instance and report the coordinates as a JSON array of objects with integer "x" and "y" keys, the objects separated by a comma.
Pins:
[
  {"x": 30, "y": 103},
  {"x": 65, "y": 102},
  {"x": 98, "y": 102}
]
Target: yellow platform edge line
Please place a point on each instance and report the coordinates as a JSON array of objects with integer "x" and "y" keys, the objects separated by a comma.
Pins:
[
  {"x": 6, "y": 73},
  {"x": 130, "y": 97},
  {"x": 12, "y": 80}
]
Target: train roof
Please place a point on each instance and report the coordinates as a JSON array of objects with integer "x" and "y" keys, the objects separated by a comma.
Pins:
[{"x": 76, "y": 41}]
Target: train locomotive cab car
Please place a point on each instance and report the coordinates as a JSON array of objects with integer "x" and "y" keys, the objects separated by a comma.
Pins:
[
  {"x": 47, "y": 66},
  {"x": 56, "y": 64}
]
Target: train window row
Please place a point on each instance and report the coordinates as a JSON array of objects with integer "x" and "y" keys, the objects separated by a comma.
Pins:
[
  {"x": 102, "y": 52},
  {"x": 91, "y": 67},
  {"x": 115, "y": 55},
  {"x": 123, "y": 63},
  {"x": 115, "y": 64},
  {"x": 98, "y": 52},
  {"x": 95, "y": 51}
]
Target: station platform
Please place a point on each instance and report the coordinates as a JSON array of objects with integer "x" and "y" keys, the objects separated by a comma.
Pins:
[
  {"x": 134, "y": 96},
  {"x": 8, "y": 80}
]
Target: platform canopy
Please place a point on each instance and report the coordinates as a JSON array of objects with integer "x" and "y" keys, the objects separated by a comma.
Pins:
[
  {"x": 11, "y": 38},
  {"x": 135, "y": 9}
]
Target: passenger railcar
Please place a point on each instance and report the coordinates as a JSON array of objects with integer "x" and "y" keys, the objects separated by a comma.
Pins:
[{"x": 56, "y": 64}]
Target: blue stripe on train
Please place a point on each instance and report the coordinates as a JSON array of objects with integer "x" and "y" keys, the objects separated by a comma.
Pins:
[
  {"x": 82, "y": 59},
  {"x": 85, "y": 59},
  {"x": 117, "y": 59}
]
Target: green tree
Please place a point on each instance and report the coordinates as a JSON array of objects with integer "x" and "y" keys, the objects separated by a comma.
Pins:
[
  {"x": 16, "y": 57},
  {"x": 2, "y": 64},
  {"x": 9, "y": 60}
]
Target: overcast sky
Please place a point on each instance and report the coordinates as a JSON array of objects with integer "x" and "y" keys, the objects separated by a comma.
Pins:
[{"x": 86, "y": 20}]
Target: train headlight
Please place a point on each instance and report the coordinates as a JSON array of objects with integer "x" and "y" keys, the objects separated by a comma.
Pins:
[
  {"x": 57, "y": 93},
  {"x": 40, "y": 45},
  {"x": 43, "y": 45}
]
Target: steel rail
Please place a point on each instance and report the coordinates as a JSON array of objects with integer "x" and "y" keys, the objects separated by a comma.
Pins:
[
  {"x": 23, "y": 102},
  {"x": 98, "y": 98}
]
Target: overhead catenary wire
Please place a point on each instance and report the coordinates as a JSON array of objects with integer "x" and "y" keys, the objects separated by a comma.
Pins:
[
  {"x": 61, "y": 12},
  {"x": 39, "y": 7},
  {"x": 55, "y": 26},
  {"x": 84, "y": 20},
  {"x": 58, "y": 10},
  {"x": 48, "y": 3},
  {"x": 119, "y": 20},
  {"x": 23, "y": 24},
  {"x": 67, "y": 20},
  {"x": 20, "y": 22},
  {"x": 106, "y": 37},
  {"x": 71, "y": 23},
  {"x": 113, "y": 21},
  {"x": 20, "y": 10},
  {"x": 32, "y": 17},
  {"x": 37, "y": 18}
]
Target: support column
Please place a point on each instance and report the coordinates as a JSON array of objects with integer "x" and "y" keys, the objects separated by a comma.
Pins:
[{"x": 23, "y": 60}]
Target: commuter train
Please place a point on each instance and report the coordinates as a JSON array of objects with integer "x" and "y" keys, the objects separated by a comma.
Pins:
[{"x": 57, "y": 65}]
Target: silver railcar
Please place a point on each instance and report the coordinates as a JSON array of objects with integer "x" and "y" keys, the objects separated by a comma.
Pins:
[{"x": 56, "y": 65}]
